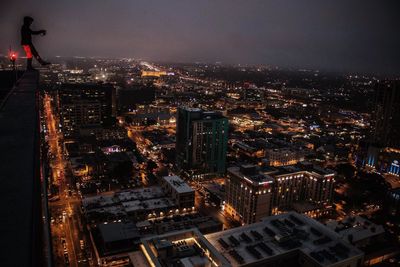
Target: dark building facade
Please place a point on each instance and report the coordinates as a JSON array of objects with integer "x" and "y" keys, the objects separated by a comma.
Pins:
[
  {"x": 201, "y": 142},
  {"x": 129, "y": 98},
  {"x": 382, "y": 152},
  {"x": 392, "y": 203},
  {"x": 85, "y": 105},
  {"x": 387, "y": 115}
]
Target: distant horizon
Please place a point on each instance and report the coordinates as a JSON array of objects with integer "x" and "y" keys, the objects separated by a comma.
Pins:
[
  {"x": 345, "y": 36},
  {"x": 235, "y": 64}
]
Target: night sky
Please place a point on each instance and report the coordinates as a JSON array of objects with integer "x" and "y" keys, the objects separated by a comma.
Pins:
[{"x": 360, "y": 36}]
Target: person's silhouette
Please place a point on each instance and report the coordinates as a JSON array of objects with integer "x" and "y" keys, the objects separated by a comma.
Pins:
[{"x": 26, "y": 42}]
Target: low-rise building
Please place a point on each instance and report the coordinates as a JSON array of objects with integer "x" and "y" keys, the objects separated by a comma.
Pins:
[
  {"x": 357, "y": 230},
  {"x": 282, "y": 157},
  {"x": 182, "y": 248},
  {"x": 289, "y": 239},
  {"x": 117, "y": 238},
  {"x": 179, "y": 191}
]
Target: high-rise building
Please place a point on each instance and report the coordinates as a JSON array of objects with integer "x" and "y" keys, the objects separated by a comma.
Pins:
[
  {"x": 83, "y": 105},
  {"x": 201, "y": 142},
  {"x": 253, "y": 192},
  {"x": 387, "y": 114},
  {"x": 382, "y": 151},
  {"x": 249, "y": 193}
]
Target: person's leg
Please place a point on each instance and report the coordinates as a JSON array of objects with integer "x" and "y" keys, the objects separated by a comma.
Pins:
[
  {"x": 36, "y": 55},
  {"x": 28, "y": 54}
]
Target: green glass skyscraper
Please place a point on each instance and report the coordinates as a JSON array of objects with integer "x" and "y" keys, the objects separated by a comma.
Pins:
[{"x": 201, "y": 142}]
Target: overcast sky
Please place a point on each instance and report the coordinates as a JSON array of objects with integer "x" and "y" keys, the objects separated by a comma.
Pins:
[{"x": 342, "y": 35}]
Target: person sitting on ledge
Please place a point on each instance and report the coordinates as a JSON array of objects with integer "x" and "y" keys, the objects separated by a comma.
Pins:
[{"x": 26, "y": 42}]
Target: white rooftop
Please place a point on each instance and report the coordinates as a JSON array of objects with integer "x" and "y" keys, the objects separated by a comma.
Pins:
[
  {"x": 178, "y": 184},
  {"x": 281, "y": 234}
]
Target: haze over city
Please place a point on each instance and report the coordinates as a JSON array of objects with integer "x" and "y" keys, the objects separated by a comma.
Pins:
[{"x": 357, "y": 36}]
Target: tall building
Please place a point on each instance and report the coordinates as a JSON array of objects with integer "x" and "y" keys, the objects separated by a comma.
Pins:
[
  {"x": 253, "y": 192},
  {"x": 249, "y": 194},
  {"x": 387, "y": 114},
  {"x": 201, "y": 142},
  {"x": 382, "y": 152},
  {"x": 83, "y": 105}
]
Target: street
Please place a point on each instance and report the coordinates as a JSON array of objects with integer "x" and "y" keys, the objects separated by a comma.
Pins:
[{"x": 70, "y": 245}]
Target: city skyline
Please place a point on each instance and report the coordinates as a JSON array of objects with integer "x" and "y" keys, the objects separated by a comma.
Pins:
[
  {"x": 357, "y": 37},
  {"x": 199, "y": 133}
]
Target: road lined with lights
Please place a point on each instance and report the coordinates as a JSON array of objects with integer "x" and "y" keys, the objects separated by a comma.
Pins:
[{"x": 66, "y": 227}]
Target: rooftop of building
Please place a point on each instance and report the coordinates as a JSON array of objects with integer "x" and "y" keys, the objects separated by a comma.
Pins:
[
  {"x": 126, "y": 201},
  {"x": 205, "y": 224},
  {"x": 20, "y": 181},
  {"x": 149, "y": 204},
  {"x": 266, "y": 174},
  {"x": 251, "y": 174},
  {"x": 303, "y": 167},
  {"x": 355, "y": 228},
  {"x": 178, "y": 184},
  {"x": 203, "y": 115},
  {"x": 181, "y": 248},
  {"x": 192, "y": 109},
  {"x": 140, "y": 193},
  {"x": 7, "y": 80},
  {"x": 281, "y": 234},
  {"x": 113, "y": 232}
]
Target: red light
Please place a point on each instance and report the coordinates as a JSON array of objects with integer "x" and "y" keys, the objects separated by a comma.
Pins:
[{"x": 13, "y": 56}]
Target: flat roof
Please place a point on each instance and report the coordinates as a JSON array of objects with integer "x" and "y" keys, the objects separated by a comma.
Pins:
[
  {"x": 257, "y": 179},
  {"x": 357, "y": 227},
  {"x": 281, "y": 234},
  {"x": 112, "y": 232},
  {"x": 149, "y": 204},
  {"x": 184, "y": 240},
  {"x": 178, "y": 184},
  {"x": 122, "y": 202}
]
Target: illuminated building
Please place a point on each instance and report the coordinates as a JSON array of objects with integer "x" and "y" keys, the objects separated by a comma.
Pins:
[
  {"x": 153, "y": 73},
  {"x": 181, "y": 248},
  {"x": 254, "y": 192},
  {"x": 248, "y": 194},
  {"x": 282, "y": 157},
  {"x": 201, "y": 142},
  {"x": 84, "y": 105},
  {"x": 303, "y": 182}
]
